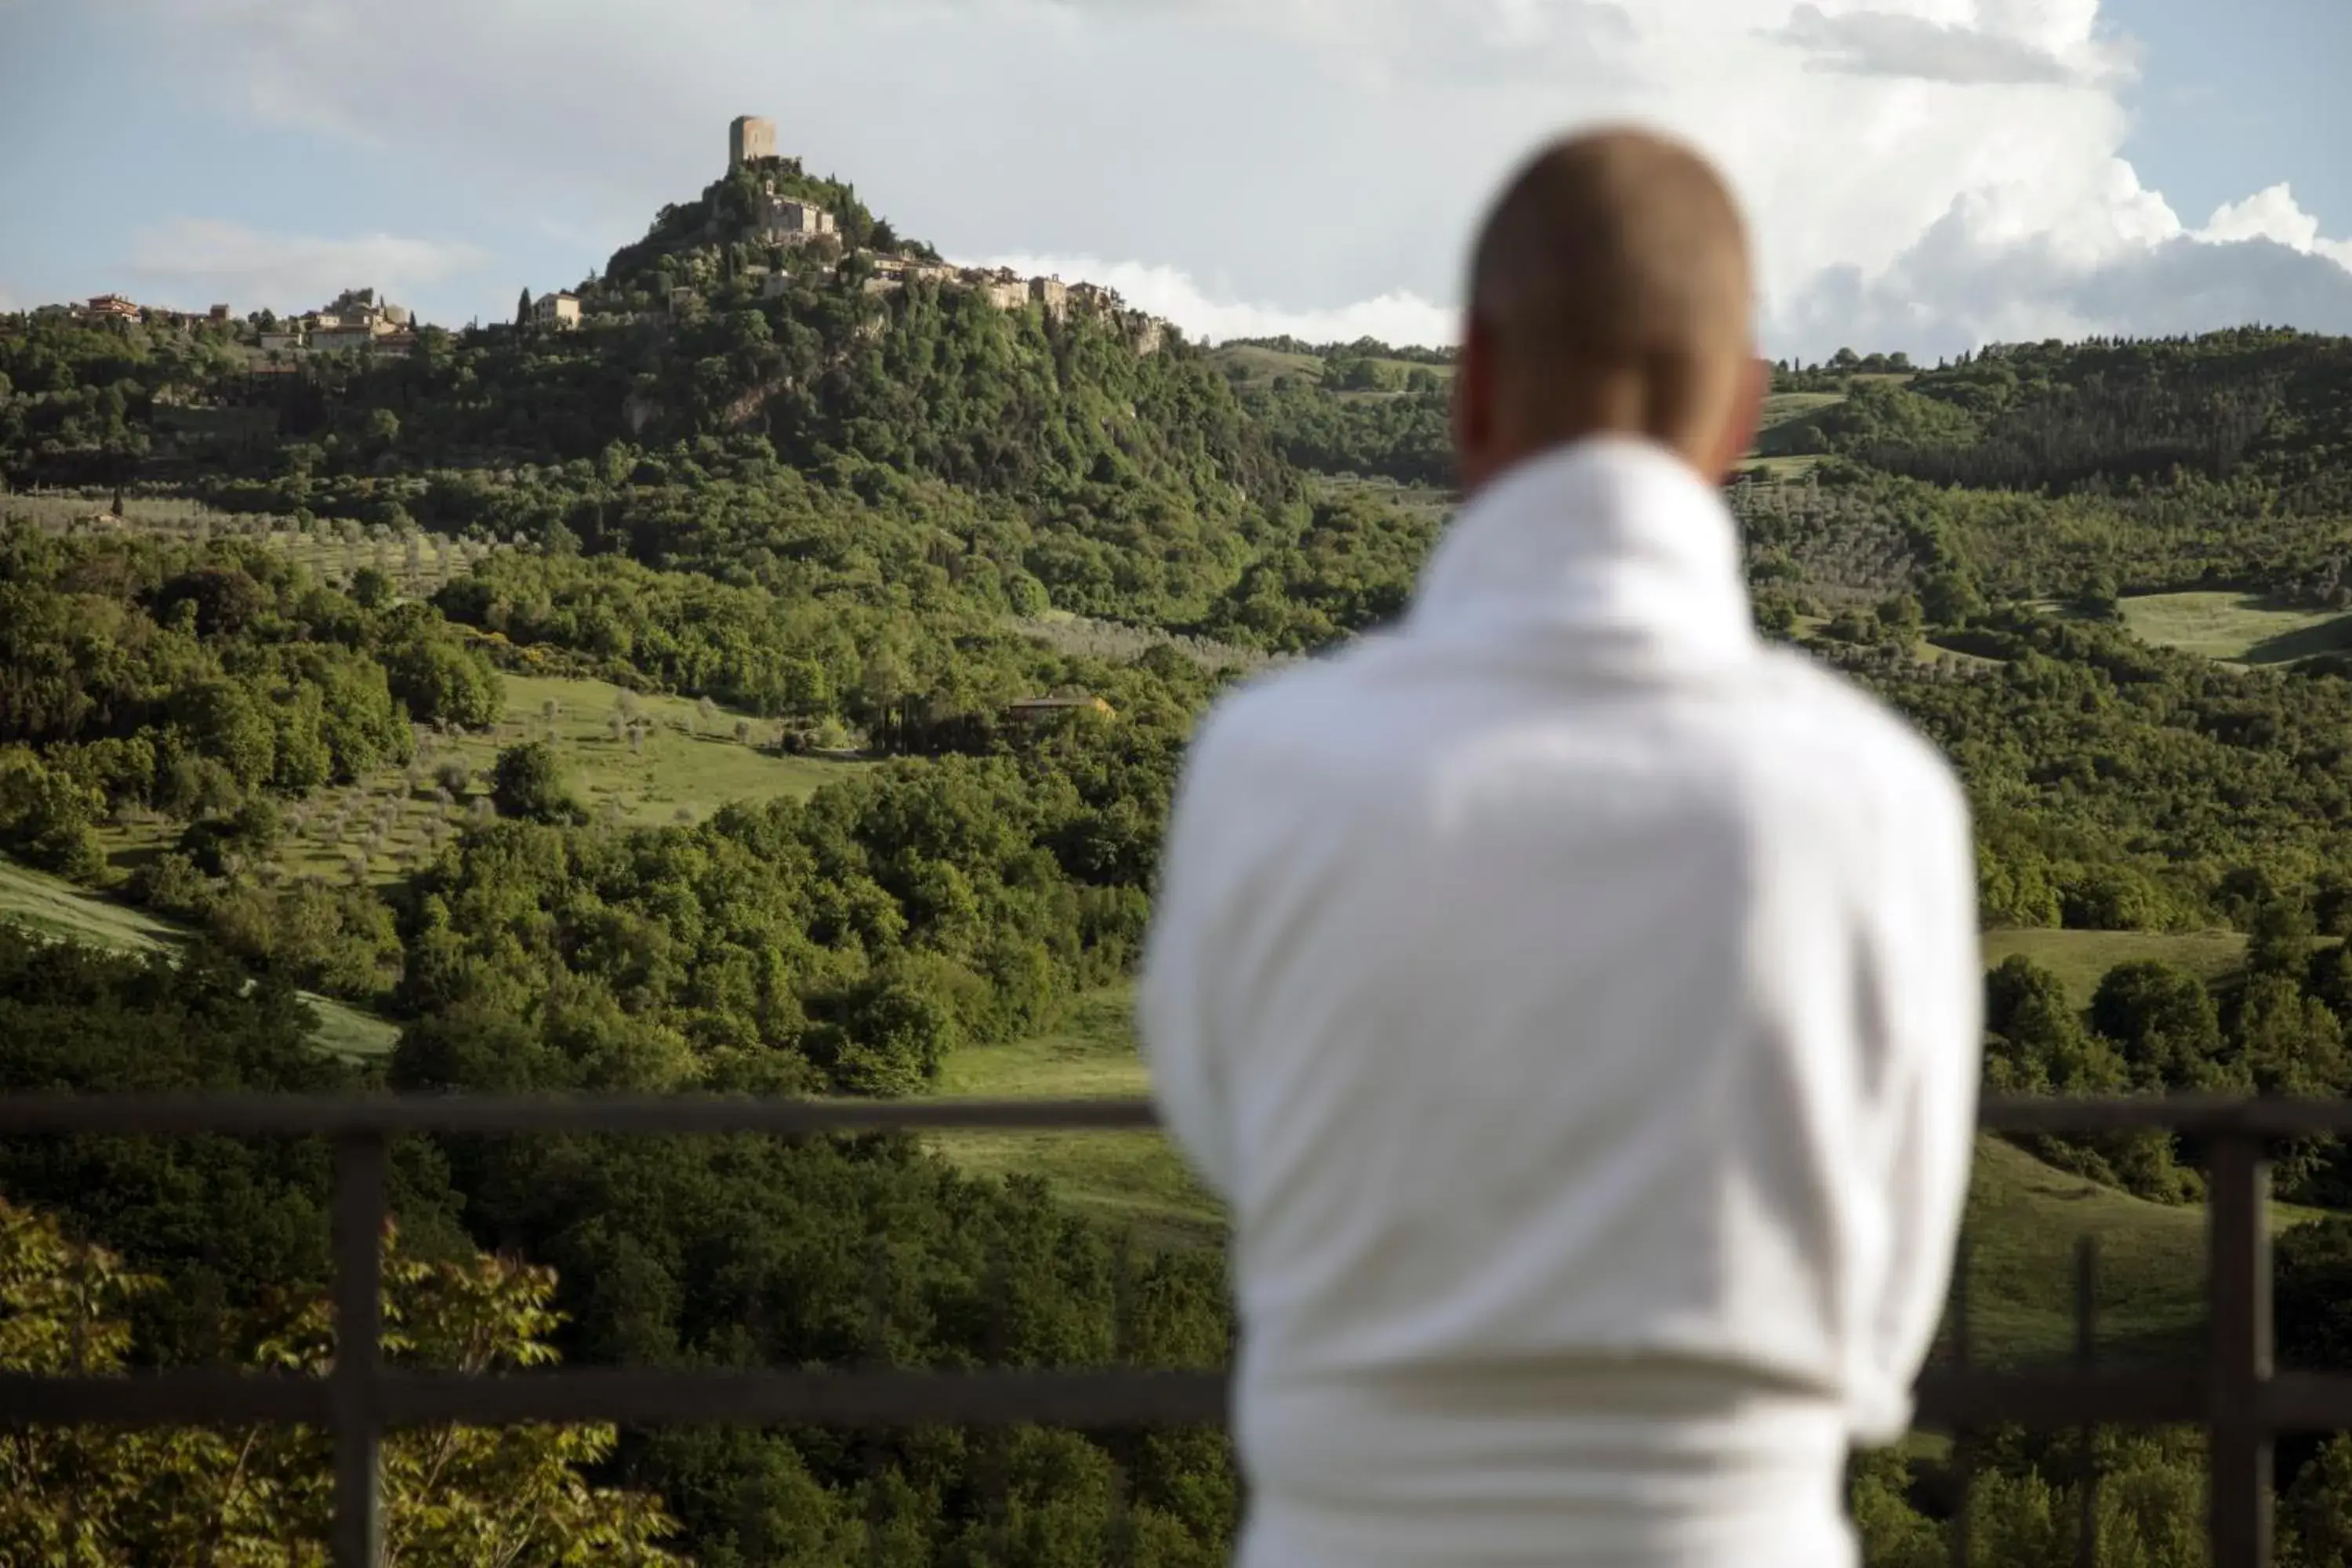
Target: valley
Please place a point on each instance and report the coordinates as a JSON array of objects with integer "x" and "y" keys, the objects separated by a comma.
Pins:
[{"x": 764, "y": 667}]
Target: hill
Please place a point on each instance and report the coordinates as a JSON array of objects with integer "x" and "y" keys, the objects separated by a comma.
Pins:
[
  {"x": 796, "y": 469},
  {"x": 2025, "y": 1217},
  {"x": 58, "y": 911},
  {"x": 684, "y": 761},
  {"x": 1131, "y": 1179},
  {"x": 2081, "y": 959},
  {"x": 2024, "y": 1221},
  {"x": 2238, "y": 627}
]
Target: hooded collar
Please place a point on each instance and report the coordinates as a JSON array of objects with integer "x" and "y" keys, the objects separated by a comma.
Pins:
[{"x": 1609, "y": 537}]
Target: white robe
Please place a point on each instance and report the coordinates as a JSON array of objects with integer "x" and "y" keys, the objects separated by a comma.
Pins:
[{"x": 1576, "y": 1001}]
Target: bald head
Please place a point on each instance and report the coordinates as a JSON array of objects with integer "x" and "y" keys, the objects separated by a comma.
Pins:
[{"x": 1608, "y": 293}]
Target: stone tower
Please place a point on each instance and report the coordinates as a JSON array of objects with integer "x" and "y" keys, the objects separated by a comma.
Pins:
[{"x": 750, "y": 137}]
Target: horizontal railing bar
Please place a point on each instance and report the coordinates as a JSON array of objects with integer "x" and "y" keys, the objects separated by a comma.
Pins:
[
  {"x": 179, "y": 1396},
  {"x": 1974, "y": 1396},
  {"x": 636, "y": 1396},
  {"x": 2292, "y": 1402},
  {"x": 380, "y": 1115},
  {"x": 2304, "y": 1401},
  {"x": 2208, "y": 1115},
  {"x": 997, "y": 1396},
  {"x": 387, "y": 1115}
]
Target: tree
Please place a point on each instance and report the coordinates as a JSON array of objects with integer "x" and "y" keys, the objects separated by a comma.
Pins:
[
  {"x": 2315, "y": 1514},
  {"x": 249, "y": 834},
  {"x": 529, "y": 784},
  {"x": 1901, "y": 616},
  {"x": 523, "y": 310},
  {"x": 46, "y": 816},
  {"x": 2280, "y": 940},
  {"x": 458, "y": 1497},
  {"x": 370, "y": 589},
  {"x": 2162, "y": 1018},
  {"x": 438, "y": 681}
]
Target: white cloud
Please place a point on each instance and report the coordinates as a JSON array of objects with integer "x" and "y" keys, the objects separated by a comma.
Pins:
[
  {"x": 191, "y": 261},
  {"x": 1892, "y": 44},
  {"x": 1395, "y": 318},
  {"x": 1961, "y": 173},
  {"x": 1966, "y": 282},
  {"x": 2273, "y": 214}
]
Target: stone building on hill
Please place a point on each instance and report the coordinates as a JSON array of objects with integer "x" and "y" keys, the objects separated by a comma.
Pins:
[
  {"x": 749, "y": 140},
  {"x": 557, "y": 311},
  {"x": 360, "y": 307},
  {"x": 787, "y": 220},
  {"x": 1001, "y": 287},
  {"x": 1053, "y": 294},
  {"x": 895, "y": 272}
]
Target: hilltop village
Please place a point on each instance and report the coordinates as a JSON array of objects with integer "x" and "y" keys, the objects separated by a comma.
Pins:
[
  {"x": 793, "y": 232},
  {"x": 356, "y": 321}
]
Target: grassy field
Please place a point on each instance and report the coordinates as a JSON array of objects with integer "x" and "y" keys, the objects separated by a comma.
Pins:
[
  {"x": 2239, "y": 628},
  {"x": 1427, "y": 500},
  {"x": 2025, "y": 1220},
  {"x": 1249, "y": 365},
  {"x": 1133, "y": 1179},
  {"x": 2025, "y": 1217},
  {"x": 1782, "y": 470},
  {"x": 1780, "y": 408},
  {"x": 686, "y": 764},
  {"x": 2082, "y": 958},
  {"x": 59, "y": 909}
]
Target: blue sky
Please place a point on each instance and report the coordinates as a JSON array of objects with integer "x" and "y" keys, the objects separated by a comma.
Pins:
[
  {"x": 2242, "y": 95},
  {"x": 1922, "y": 173}
]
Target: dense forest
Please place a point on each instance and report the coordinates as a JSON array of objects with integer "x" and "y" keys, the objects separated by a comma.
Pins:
[{"x": 921, "y": 596}]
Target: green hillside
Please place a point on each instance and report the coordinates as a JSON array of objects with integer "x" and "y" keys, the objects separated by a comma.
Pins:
[
  {"x": 1248, "y": 364},
  {"x": 2243, "y": 628},
  {"x": 685, "y": 764},
  {"x": 1130, "y": 1178},
  {"x": 60, "y": 911},
  {"x": 859, "y": 513},
  {"x": 2025, "y": 1217},
  {"x": 2082, "y": 958}
]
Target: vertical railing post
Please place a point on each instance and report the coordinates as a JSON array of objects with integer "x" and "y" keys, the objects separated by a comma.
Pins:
[
  {"x": 359, "y": 1217},
  {"x": 2086, "y": 1356},
  {"x": 1961, "y": 1542},
  {"x": 878, "y": 1341},
  {"x": 2238, "y": 1294}
]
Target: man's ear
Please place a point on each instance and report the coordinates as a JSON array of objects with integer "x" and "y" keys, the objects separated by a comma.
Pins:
[{"x": 1746, "y": 416}]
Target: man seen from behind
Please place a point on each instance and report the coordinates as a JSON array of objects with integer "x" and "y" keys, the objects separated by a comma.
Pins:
[{"x": 1575, "y": 1000}]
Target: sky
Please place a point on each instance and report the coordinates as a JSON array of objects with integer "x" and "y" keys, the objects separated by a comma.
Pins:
[{"x": 1925, "y": 176}]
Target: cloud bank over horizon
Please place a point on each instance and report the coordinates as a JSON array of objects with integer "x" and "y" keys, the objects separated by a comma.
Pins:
[{"x": 1921, "y": 174}]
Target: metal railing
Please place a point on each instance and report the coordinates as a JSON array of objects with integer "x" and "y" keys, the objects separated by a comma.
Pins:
[{"x": 2236, "y": 1397}]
